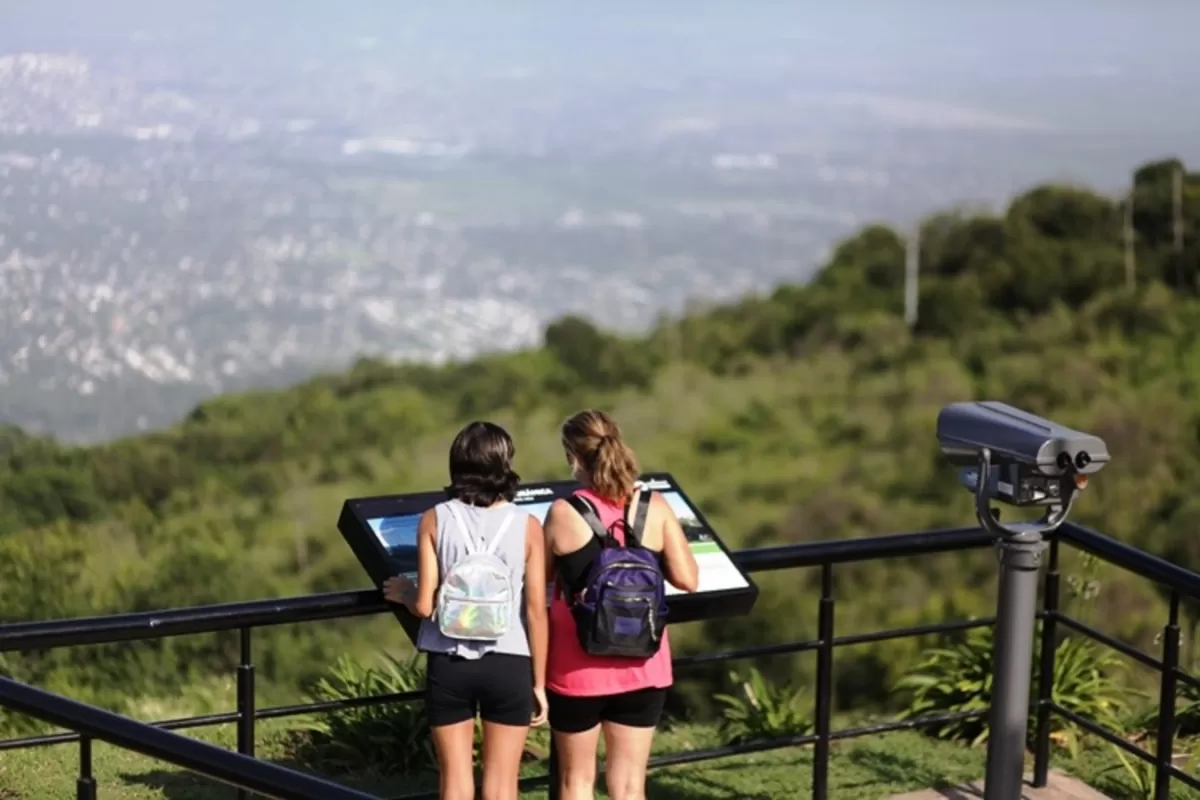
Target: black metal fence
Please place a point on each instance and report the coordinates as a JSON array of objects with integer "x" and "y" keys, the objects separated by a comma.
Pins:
[
  {"x": 155, "y": 740},
  {"x": 1179, "y": 583}
]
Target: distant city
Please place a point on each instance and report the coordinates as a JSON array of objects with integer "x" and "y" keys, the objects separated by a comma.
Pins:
[{"x": 188, "y": 209}]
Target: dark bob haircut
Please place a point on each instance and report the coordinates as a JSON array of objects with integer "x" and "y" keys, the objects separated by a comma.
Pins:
[{"x": 481, "y": 471}]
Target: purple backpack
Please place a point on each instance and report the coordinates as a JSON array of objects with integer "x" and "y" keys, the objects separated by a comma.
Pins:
[{"x": 622, "y": 610}]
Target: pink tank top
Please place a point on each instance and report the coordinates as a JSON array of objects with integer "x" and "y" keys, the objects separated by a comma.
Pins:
[{"x": 572, "y": 672}]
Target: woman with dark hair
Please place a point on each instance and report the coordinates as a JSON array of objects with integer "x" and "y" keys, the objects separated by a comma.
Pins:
[
  {"x": 478, "y": 556},
  {"x": 620, "y": 695}
]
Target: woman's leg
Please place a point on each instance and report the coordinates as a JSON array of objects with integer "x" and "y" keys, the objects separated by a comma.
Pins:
[
  {"x": 455, "y": 745},
  {"x": 629, "y": 724},
  {"x": 577, "y": 763},
  {"x": 506, "y": 704},
  {"x": 628, "y": 751},
  {"x": 503, "y": 746},
  {"x": 450, "y": 706},
  {"x": 575, "y": 723}
]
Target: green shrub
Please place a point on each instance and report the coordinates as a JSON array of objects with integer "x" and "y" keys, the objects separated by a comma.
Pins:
[
  {"x": 1085, "y": 683},
  {"x": 959, "y": 678},
  {"x": 950, "y": 680},
  {"x": 1137, "y": 775},
  {"x": 1187, "y": 713},
  {"x": 760, "y": 710},
  {"x": 384, "y": 738}
]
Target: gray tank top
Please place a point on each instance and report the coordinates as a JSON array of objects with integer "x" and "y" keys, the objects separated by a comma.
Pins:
[{"x": 482, "y": 525}]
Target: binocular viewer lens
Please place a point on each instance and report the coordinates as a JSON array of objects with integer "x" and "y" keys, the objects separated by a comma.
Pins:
[{"x": 1082, "y": 459}]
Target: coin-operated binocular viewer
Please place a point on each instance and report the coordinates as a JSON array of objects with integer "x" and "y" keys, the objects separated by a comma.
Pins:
[{"x": 1013, "y": 457}]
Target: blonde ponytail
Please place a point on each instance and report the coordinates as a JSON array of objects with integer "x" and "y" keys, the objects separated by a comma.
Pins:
[{"x": 594, "y": 440}]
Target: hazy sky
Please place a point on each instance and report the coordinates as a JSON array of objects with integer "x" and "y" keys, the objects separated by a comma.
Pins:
[{"x": 1099, "y": 67}]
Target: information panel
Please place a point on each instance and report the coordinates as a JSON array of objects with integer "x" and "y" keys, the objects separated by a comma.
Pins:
[{"x": 382, "y": 533}]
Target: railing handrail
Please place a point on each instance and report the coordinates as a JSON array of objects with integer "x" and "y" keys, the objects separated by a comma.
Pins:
[
  {"x": 143, "y": 625},
  {"x": 862, "y": 548},
  {"x": 1128, "y": 557},
  {"x": 227, "y": 766}
]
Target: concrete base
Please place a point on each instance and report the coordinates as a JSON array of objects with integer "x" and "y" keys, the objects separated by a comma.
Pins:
[{"x": 1059, "y": 787}]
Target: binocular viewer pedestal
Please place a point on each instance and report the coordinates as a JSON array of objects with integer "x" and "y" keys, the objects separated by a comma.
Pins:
[
  {"x": 1017, "y": 458},
  {"x": 1020, "y": 548}
]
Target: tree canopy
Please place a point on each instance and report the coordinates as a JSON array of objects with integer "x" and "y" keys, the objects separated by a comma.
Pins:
[{"x": 803, "y": 414}]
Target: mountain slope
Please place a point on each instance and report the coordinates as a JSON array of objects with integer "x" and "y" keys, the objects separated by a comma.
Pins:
[{"x": 807, "y": 414}]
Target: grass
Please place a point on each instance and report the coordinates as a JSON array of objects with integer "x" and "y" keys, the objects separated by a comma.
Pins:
[{"x": 875, "y": 767}]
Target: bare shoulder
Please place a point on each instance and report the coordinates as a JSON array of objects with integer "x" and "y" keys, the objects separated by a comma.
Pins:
[
  {"x": 427, "y": 526},
  {"x": 659, "y": 503},
  {"x": 558, "y": 511},
  {"x": 535, "y": 537}
]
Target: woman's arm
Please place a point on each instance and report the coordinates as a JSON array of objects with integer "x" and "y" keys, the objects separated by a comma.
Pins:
[
  {"x": 548, "y": 550},
  {"x": 427, "y": 565},
  {"x": 680, "y": 562},
  {"x": 537, "y": 627}
]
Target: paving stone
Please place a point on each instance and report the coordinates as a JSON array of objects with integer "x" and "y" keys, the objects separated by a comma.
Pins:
[{"x": 1060, "y": 786}]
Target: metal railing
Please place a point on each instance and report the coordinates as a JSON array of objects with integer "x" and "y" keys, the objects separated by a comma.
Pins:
[
  {"x": 827, "y": 555},
  {"x": 236, "y": 769},
  {"x": 1180, "y": 583}
]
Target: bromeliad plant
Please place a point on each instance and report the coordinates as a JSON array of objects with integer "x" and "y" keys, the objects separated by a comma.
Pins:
[
  {"x": 392, "y": 737},
  {"x": 759, "y": 710},
  {"x": 1137, "y": 776},
  {"x": 1086, "y": 682},
  {"x": 958, "y": 678},
  {"x": 950, "y": 680}
]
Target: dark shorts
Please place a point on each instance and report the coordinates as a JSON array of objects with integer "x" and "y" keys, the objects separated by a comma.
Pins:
[
  {"x": 639, "y": 709},
  {"x": 498, "y": 687}
]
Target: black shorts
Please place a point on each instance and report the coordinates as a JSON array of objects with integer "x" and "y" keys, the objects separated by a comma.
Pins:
[
  {"x": 638, "y": 709},
  {"x": 498, "y": 686}
]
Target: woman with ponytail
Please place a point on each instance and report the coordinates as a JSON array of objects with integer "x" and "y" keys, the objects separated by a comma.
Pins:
[{"x": 620, "y": 696}]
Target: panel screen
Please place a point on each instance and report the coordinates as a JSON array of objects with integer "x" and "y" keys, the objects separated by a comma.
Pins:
[{"x": 382, "y": 532}]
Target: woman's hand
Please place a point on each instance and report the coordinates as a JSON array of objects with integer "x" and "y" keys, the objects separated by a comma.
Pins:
[
  {"x": 399, "y": 589},
  {"x": 541, "y": 707}
]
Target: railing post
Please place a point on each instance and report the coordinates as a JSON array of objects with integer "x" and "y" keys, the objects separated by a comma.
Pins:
[
  {"x": 1166, "y": 704},
  {"x": 245, "y": 699},
  {"x": 1041, "y": 756},
  {"x": 85, "y": 784},
  {"x": 824, "y": 702}
]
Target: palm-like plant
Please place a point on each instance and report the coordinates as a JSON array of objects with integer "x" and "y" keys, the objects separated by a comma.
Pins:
[
  {"x": 381, "y": 737},
  {"x": 958, "y": 678},
  {"x": 760, "y": 710},
  {"x": 953, "y": 679}
]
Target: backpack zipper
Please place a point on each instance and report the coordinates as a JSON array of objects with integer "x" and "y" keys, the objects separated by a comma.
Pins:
[
  {"x": 633, "y": 564},
  {"x": 475, "y": 600}
]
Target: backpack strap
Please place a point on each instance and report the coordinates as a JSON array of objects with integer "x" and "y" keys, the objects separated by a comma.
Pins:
[
  {"x": 495, "y": 542},
  {"x": 641, "y": 513},
  {"x": 469, "y": 541},
  {"x": 585, "y": 509},
  {"x": 633, "y": 533}
]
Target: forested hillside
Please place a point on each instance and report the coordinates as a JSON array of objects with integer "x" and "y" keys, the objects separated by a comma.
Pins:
[{"x": 806, "y": 414}]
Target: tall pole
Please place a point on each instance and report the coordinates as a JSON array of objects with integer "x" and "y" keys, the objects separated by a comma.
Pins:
[
  {"x": 1130, "y": 235},
  {"x": 1177, "y": 202},
  {"x": 912, "y": 269}
]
